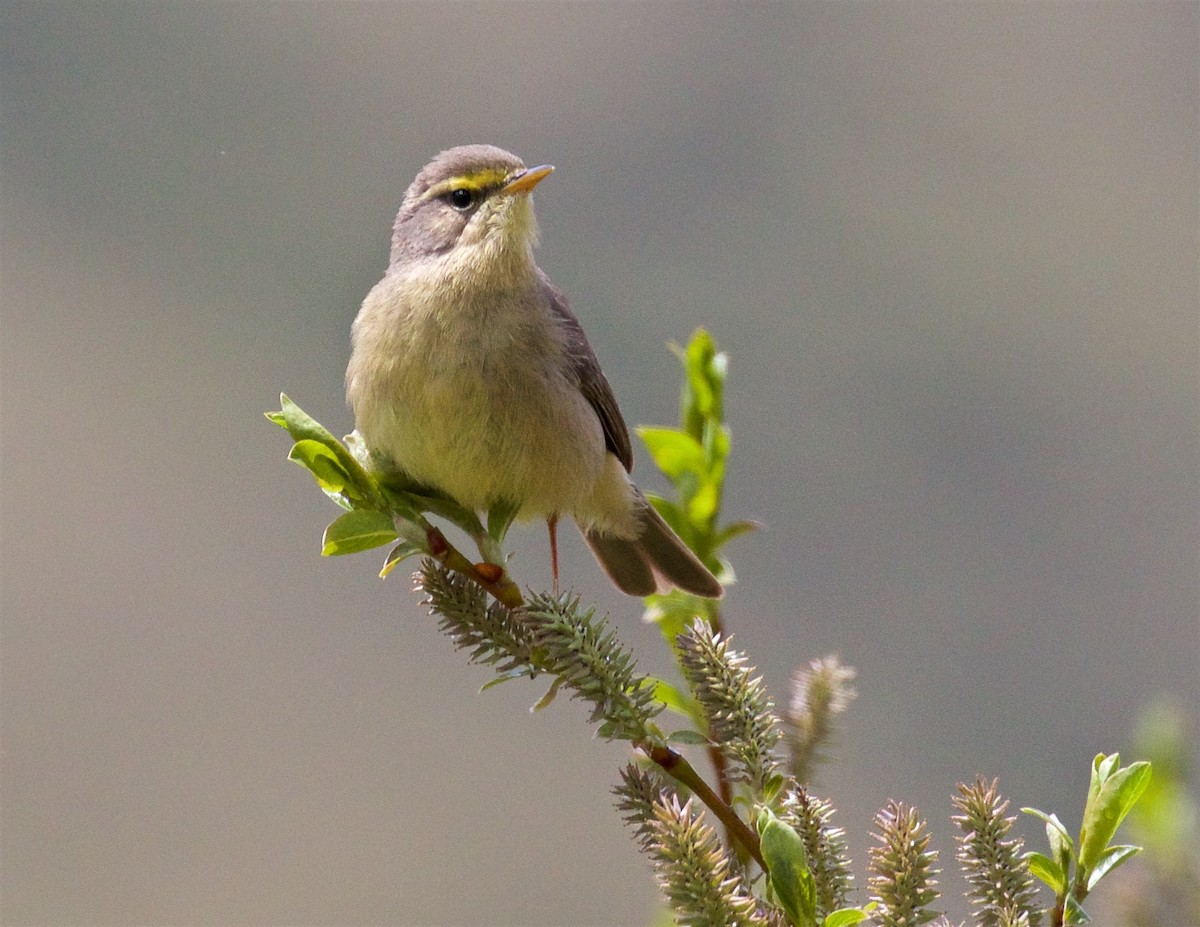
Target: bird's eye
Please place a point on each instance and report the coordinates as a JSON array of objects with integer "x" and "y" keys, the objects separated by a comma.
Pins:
[{"x": 462, "y": 199}]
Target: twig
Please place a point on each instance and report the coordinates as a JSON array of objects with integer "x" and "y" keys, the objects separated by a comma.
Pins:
[
  {"x": 679, "y": 769},
  {"x": 503, "y": 590}
]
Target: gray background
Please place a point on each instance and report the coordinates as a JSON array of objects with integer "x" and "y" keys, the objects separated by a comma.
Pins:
[{"x": 951, "y": 250}]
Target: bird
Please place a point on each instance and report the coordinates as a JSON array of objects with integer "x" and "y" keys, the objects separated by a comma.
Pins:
[{"x": 469, "y": 373}]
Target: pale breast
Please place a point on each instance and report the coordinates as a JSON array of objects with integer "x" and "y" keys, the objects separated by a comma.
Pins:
[{"x": 483, "y": 410}]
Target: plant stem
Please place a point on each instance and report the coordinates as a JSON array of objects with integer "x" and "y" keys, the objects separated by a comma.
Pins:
[
  {"x": 679, "y": 769},
  {"x": 503, "y": 590},
  {"x": 715, "y": 755}
]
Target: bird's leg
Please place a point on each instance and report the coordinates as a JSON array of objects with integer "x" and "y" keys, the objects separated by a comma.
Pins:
[{"x": 552, "y": 524}]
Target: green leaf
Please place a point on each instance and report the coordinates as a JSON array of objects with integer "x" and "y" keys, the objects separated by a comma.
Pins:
[
  {"x": 322, "y": 463},
  {"x": 772, "y": 786},
  {"x": 1073, "y": 912},
  {"x": 1110, "y": 860},
  {"x": 716, "y": 449},
  {"x": 1111, "y": 798},
  {"x": 705, "y": 370},
  {"x": 505, "y": 676},
  {"x": 1061, "y": 845},
  {"x": 1103, "y": 767},
  {"x": 551, "y": 692},
  {"x": 399, "y": 554},
  {"x": 674, "y": 452},
  {"x": 1046, "y": 869},
  {"x": 845, "y": 917},
  {"x": 357, "y": 531},
  {"x": 500, "y": 518},
  {"x": 673, "y": 697},
  {"x": 687, "y": 736},
  {"x": 673, "y": 612},
  {"x": 735, "y": 530},
  {"x": 787, "y": 869},
  {"x": 303, "y": 427},
  {"x": 444, "y": 507},
  {"x": 703, "y": 505},
  {"x": 299, "y": 424}
]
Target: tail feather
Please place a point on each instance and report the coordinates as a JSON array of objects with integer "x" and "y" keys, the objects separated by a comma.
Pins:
[
  {"x": 655, "y": 561},
  {"x": 623, "y": 563},
  {"x": 673, "y": 560}
]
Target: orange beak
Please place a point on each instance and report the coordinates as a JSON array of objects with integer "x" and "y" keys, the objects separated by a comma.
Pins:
[{"x": 528, "y": 179}]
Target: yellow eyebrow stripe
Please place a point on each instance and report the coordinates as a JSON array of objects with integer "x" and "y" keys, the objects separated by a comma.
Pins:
[{"x": 479, "y": 181}]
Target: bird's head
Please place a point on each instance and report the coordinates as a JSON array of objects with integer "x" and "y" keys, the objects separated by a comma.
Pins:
[{"x": 470, "y": 207}]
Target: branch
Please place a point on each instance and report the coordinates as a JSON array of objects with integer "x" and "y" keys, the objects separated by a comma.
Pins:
[
  {"x": 679, "y": 769},
  {"x": 491, "y": 577}
]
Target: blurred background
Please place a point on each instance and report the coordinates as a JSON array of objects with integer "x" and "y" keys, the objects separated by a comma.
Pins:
[{"x": 951, "y": 250}]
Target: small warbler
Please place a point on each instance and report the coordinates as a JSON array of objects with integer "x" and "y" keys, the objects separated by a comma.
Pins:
[{"x": 470, "y": 374}]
